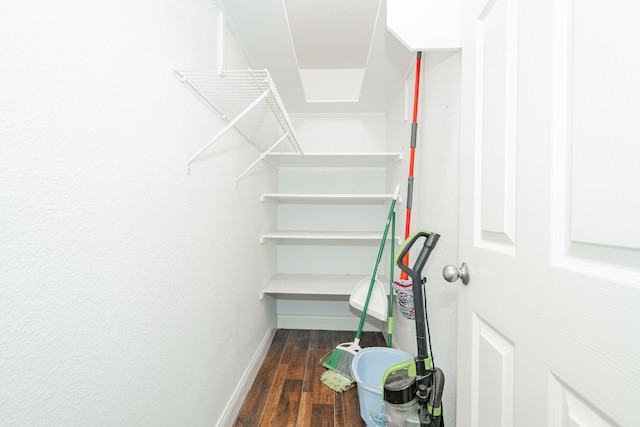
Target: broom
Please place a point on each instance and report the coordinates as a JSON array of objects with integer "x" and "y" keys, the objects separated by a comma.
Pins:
[{"x": 338, "y": 377}]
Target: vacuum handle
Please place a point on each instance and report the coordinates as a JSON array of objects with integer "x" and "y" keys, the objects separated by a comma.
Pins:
[
  {"x": 430, "y": 243},
  {"x": 415, "y": 273}
]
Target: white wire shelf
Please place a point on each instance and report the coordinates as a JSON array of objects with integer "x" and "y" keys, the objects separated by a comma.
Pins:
[{"x": 248, "y": 102}]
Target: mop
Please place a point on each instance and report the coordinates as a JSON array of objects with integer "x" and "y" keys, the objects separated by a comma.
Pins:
[{"x": 403, "y": 286}]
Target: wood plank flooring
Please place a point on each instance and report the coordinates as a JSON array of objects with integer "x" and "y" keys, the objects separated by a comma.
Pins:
[{"x": 287, "y": 390}]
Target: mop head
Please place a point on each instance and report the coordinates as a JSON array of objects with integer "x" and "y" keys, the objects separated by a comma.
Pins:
[
  {"x": 336, "y": 382},
  {"x": 339, "y": 362},
  {"x": 404, "y": 297}
]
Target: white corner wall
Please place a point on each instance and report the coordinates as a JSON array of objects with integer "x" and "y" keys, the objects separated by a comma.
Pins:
[
  {"x": 435, "y": 203},
  {"x": 341, "y": 133},
  {"x": 128, "y": 289},
  {"x": 425, "y": 24}
]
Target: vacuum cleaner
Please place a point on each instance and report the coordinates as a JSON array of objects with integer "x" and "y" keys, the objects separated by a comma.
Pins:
[{"x": 413, "y": 389}]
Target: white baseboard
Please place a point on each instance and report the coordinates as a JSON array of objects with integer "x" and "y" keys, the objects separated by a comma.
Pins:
[
  {"x": 328, "y": 323},
  {"x": 236, "y": 400}
]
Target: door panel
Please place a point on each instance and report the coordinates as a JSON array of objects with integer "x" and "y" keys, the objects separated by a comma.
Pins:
[
  {"x": 495, "y": 354},
  {"x": 569, "y": 409},
  {"x": 549, "y": 323},
  {"x": 596, "y": 135},
  {"x": 496, "y": 120},
  {"x": 604, "y": 99}
]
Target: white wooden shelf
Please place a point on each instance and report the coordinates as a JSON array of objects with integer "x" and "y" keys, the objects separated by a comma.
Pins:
[
  {"x": 363, "y": 237},
  {"x": 327, "y": 191},
  {"x": 327, "y": 198},
  {"x": 310, "y": 284},
  {"x": 333, "y": 160}
]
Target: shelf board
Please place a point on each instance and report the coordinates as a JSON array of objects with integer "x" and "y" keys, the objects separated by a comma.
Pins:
[
  {"x": 327, "y": 198},
  {"x": 310, "y": 284},
  {"x": 363, "y": 237},
  {"x": 333, "y": 160}
]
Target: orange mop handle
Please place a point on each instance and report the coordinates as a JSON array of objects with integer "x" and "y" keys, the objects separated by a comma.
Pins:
[{"x": 414, "y": 131}]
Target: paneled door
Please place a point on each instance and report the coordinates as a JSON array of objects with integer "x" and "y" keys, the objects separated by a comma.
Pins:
[{"x": 550, "y": 224}]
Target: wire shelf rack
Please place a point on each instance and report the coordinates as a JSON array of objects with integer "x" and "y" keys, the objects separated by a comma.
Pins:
[{"x": 248, "y": 102}]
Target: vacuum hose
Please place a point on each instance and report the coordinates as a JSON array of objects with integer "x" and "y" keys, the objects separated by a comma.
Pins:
[{"x": 435, "y": 402}]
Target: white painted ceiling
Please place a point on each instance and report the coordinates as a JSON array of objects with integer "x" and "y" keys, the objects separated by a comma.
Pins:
[{"x": 325, "y": 56}]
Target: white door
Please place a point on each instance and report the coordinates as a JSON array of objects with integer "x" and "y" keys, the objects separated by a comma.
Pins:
[{"x": 550, "y": 225}]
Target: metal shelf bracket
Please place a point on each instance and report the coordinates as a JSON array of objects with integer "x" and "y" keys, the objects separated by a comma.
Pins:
[{"x": 250, "y": 99}]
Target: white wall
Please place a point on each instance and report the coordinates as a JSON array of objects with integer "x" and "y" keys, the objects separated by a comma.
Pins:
[
  {"x": 435, "y": 202},
  {"x": 128, "y": 289},
  {"x": 341, "y": 133}
]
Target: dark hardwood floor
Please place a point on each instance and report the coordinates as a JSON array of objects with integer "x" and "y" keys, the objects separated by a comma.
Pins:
[{"x": 287, "y": 390}]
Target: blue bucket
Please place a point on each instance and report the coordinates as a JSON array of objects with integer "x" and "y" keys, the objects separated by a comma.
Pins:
[{"x": 367, "y": 369}]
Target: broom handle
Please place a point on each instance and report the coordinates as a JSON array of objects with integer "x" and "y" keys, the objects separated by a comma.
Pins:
[
  {"x": 391, "y": 270},
  {"x": 375, "y": 267}
]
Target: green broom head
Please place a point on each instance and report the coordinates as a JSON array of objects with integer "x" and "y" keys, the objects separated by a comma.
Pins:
[
  {"x": 334, "y": 359},
  {"x": 338, "y": 377},
  {"x": 341, "y": 358},
  {"x": 336, "y": 382}
]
